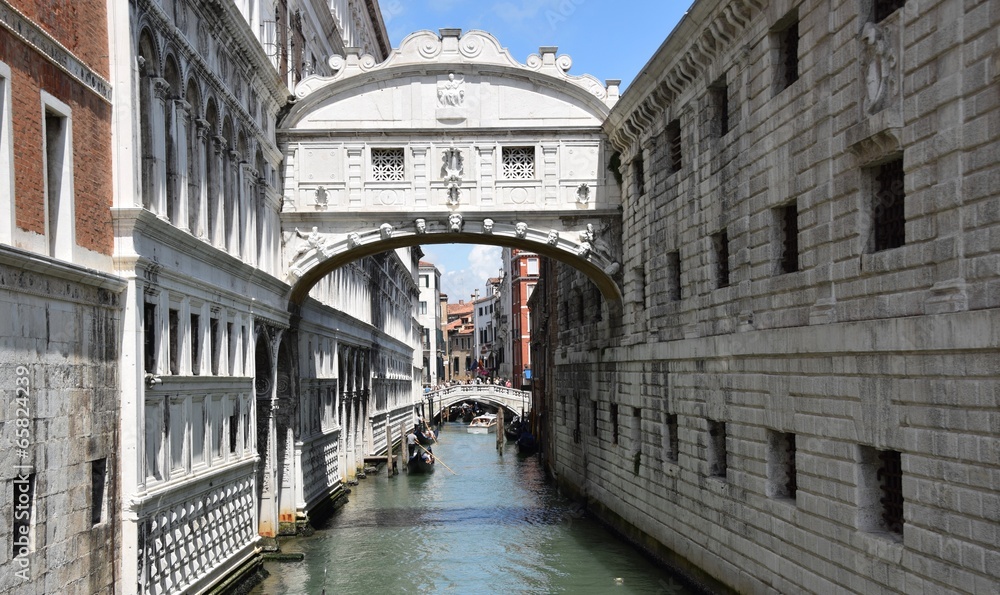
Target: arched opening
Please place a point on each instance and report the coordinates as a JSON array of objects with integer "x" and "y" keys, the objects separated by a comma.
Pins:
[
  {"x": 194, "y": 160},
  {"x": 171, "y": 74},
  {"x": 264, "y": 389},
  {"x": 148, "y": 71}
]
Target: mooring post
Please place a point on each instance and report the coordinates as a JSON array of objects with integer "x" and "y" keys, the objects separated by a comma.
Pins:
[
  {"x": 499, "y": 430},
  {"x": 388, "y": 451}
]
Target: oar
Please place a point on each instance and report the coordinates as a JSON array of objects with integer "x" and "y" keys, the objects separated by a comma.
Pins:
[{"x": 436, "y": 458}]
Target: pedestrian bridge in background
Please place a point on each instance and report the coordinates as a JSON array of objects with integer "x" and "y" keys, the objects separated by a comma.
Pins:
[{"x": 501, "y": 396}]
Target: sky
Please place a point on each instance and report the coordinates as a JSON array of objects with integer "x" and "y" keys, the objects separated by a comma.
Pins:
[{"x": 610, "y": 39}]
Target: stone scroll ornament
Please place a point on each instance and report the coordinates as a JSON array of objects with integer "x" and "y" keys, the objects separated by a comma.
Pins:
[{"x": 878, "y": 66}]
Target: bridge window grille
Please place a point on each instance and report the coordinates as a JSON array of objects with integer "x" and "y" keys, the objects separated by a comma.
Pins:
[
  {"x": 883, "y": 8},
  {"x": 673, "y": 133},
  {"x": 388, "y": 165},
  {"x": 788, "y": 238},
  {"x": 782, "y": 480},
  {"x": 673, "y": 444},
  {"x": 888, "y": 212},
  {"x": 518, "y": 163},
  {"x": 717, "y": 448},
  {"x": 720, "y": 242},
  {"x": 890, "y": 477}
]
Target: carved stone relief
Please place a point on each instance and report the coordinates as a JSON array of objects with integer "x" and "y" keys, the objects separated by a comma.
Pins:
[{"x": 878, "y": 63}]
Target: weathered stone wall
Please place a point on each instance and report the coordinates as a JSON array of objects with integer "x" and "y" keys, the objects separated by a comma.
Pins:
[
  {"x": 859, "y": 354},
  {"x": 59, "y": 340}
]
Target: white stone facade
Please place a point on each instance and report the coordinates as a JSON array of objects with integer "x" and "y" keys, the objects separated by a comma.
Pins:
[{"x": 800, "y": 393}]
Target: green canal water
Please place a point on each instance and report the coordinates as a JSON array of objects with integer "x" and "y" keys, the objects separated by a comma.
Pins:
[{"x": 496, "y": 527}]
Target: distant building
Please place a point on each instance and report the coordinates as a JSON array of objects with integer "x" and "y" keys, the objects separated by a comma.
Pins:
[
  {"x": 429, "y": 315},
  {"x": 460, "y": 329},
  {"x": 521, "y": 270}
]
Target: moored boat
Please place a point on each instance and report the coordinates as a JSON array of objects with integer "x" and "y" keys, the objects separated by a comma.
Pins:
[
  {"x": 483, "y": 424},
  {"x": 421, "y": 462}
]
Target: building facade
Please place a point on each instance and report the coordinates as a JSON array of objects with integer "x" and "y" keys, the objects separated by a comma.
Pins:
[
  {"x": 522, "y": 268},
  {"x": 460, "y": 329},
  {"x": 430, "y": 316},
  {"x": 798, "y": 392},
  {"x": 59, "y": 339}
]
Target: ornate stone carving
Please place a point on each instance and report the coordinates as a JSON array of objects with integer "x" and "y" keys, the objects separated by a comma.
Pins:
[
  {"x": 313, "y": 241},
  {"x": 583, "y": 194},
  {"x": 455, "y": 222},
  {"x": 385, "y": 231},
  {"x": 420, "y": 225},
  {"x": 587, "y": 235},
  {"x": 521, "y": 229},
  {"x": 451, "y": 92},
  {"x": 353, "y": 239},
  {"x": 322, "y": 199},
  {"x": 878, "y": 63},
  {"x": 487, "y": 225},
  {"x": 553, "y": 238}
]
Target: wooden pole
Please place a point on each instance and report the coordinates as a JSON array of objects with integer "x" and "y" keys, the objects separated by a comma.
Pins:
[
  {"x": 388, "y": 450},
  {"x": 499, "y": 431}
]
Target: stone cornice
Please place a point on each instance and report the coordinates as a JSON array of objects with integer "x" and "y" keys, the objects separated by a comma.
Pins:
[
  {"x": 47, "y": 46},
  {"x": 707, "y": 30},
  {"x": 375, "y": 16},
  {"x": 477, "y": 51}
]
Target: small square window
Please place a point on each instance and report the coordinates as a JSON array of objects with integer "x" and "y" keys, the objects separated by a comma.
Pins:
[{"x": 883, "y": 8}]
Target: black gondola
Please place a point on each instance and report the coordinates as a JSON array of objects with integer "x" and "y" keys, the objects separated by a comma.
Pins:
[
  {"x": 513, "y": 430},
  {"x": 422, "y": 462}
]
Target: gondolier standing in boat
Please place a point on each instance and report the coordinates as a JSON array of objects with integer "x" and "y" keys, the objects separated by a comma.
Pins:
[{"x": 411, "y": 442}]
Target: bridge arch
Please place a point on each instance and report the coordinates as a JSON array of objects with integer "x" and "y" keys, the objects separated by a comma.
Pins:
[{"x": 449, "y": 140}]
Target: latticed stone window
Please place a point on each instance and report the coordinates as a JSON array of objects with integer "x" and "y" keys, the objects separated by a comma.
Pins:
[
  {"x": 518, "y": 163},
  {"x": 387, "y": 165}
]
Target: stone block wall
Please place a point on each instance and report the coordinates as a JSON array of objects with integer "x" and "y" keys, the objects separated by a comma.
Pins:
[
  {"x": 59, "y": 365},
  {"x": 710, "y": 397}
]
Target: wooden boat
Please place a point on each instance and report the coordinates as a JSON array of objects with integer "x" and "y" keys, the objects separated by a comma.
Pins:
[
  {"x": 422, "y": 462},
  {"x": 483, "y": 424},
  {"x": 513, "y": 430}
]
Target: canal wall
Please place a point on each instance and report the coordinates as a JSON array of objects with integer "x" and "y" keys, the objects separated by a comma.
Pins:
[{"x": 798, "y": 393}]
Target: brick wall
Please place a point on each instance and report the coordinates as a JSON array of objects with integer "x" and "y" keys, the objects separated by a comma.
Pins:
[{"x": 91, "y": 129}]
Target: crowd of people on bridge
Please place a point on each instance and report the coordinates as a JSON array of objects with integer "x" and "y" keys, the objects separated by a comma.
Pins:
[{"x": 496, "y": 381}]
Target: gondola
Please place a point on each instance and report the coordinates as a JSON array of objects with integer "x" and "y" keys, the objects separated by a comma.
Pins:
[
  {"x": 421, "y": 462},
  {"x": 526, "y": 444},
  {"x": 513, "y": 430}
]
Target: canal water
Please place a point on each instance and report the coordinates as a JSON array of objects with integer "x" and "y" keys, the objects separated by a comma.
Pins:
[{"x": 496, "y": 527}]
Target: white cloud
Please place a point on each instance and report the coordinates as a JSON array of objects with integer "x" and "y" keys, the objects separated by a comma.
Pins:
[{"x": 485, "y": 261}]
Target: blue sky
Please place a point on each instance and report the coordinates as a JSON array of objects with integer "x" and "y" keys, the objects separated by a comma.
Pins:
[{"x": 610, "y": 39}]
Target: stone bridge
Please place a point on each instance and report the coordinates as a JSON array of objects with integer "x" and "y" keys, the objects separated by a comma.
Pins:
[
  {"x": 510, "y": 398},
  {"x": 450, "y": 140}
]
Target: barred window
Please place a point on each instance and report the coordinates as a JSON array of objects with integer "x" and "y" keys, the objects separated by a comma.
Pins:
[
  {"x": 673, "y": 133},
  {"x": 888, "y": 213},
  {"x": 387, "y": 165},
  {"x": 787, "y": 218},
  {"x": 720, "y": 243},
  {"x": 786, "y": 41},
  {"x": 518, "y": 163}
]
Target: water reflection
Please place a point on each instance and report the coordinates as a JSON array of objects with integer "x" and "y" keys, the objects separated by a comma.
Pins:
[{"x": 496, "y": 527}]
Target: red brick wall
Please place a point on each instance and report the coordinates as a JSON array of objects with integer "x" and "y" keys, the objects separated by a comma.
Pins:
[
  {"x": 91, "y": 129},
  {"x": 81, "y": 26}
]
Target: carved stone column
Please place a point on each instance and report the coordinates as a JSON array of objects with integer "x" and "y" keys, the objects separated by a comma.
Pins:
[
  {"x": 158, "y": 150},
  {"x": 199, "y": 206},
  {"x": 180, "y": 185},
  {"x": 217, "y": 191}
]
